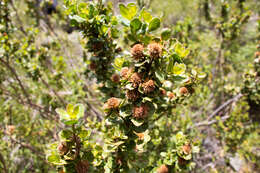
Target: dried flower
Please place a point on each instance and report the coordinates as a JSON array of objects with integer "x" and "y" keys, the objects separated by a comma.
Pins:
[
  {"x": 136, "y": 79},
  {"x": 10, "y": 129},
  {"x": 132, "y": 95},
  {"x": 257, "y": 54},
  {"x": 148, "y": 86},
  {"x": 170, "y": 95},
  {"x": 163, "y": 91},
  {"x": 82, "y": 166},
  {"x": 155, "y": 50},
  {"x": 140, "y": 112},
  {"x": 62, "y": 148},
  {"x": 184, "y": 90},
  {"x": 137, "y": 51},
  {"x": 125, "y": 72},
  {"x": 112, "y": 103},
  {"x": 186, "y": 149},
  {"x": 115, "y": 78},
  {"x": 163, "y": 169}
]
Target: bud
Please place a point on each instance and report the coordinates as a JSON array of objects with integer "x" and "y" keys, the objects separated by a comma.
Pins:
[
  {"x": 115, "y": 78},
  {"x": 132, "y": 95},
  {"x": 140, "y": 112},
  {"x": 148, "y": 86},
  {"x": 170, "y": 95},
  {"x": 136, "y": 80},
  {"x": 163, "y": 169},
  {"x": 137, "y": 51},
  {"x": 112, "y": 103},
  {"x": 62, "y": 148},
  {"x": 257, "y": 54},
  {"x": 183, "y": 90},
  {"x": 155, "y": 50}
]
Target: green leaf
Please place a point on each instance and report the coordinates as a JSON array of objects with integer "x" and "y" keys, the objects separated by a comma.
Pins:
[
  {"x": 179, "y": 69},
  {"x": 180, "y": 50},
  {"x": 137, "y": 123},
  {"x": 166, "y": 34},
  {"x": 128, "y": 12},
  {"x": 146, "y": 16},
  {"x": 135, "y": 25},
  {"x": 154, "y": 24},
  {"x": 118, "y": 63},
  {"x": 77, "y": 18},
  {"x": 69, "y": 109},
  {"x": 132, "y": 8},
  {"x": 159, "y": 75},
  {"x": 79, "y": 111},
  {"x": 55, "y": 159},
  {"x": 124, "y": 11}
]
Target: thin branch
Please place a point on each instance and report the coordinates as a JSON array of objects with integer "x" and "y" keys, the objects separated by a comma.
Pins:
[
  {"x": 234, "y": 99},
  {"x": 17, "y": 78},
  {"x": 208, "y": 123}
]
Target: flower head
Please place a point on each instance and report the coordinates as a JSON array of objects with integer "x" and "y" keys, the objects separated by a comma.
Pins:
[
  {"x": 137, "y": 51},
  {"x": 132, "y": 95},
  {"x": 62, "y": 148},
  {"x": 140, "y": 112},
  {"x": 136, "y": 79},
  {"x": 112, "y": 103},
  {"x": 115, "y": 78},
  {"x": 162, "y": 91},
  {"x": 10, "y": 129},
  {"x": 125, "y": 72},
  {"x": 148, "y": 86},
  {"x": 155, "y": 50},
  {"x": 163, "y": 169},
  {"x": 183, "y": 90},
  {"x": 186, "y": 149}
]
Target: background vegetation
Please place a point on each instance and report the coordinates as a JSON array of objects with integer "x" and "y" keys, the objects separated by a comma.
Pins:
[{"x": 46, "y": 63}]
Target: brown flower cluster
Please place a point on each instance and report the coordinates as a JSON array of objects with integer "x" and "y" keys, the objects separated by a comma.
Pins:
[
  {"x": 137, "y": 51},
  {"x": 183, "y": 90},
  {"x": 125, "y": 72},
  {"x": 136, "y": 79},
  {"x": 148, "y": 86},
  {"x": 155, "y": 50},
  {"x": 140, "y": 112},
  {"x": 132, "y": 95},
  {"x": 112, "y": 103},
  {"x": 115, "y": 78},
  {"x": 163, "y": 169}
]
